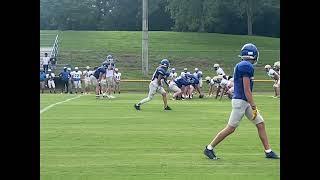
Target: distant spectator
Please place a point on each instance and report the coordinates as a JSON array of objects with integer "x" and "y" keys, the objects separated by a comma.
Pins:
[
  {"x": 45, "y": 62},
  {"x": 42, "y": 80},
  {"x": 53, "y": 63},
  {"x": 65, "y": 76}
]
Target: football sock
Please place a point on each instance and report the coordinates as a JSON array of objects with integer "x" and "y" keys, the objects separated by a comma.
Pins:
[
  {"x": 268, "y": 150},
  {"x": 209, "y": 147}
]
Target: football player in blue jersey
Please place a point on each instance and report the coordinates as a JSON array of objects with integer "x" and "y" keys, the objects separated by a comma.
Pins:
[
  {"x": 98, "y": 74},
  {"x": 43, "y": 77},
  {"x": 193, "y": 83},
  {"x": 177, "y": 85},
  {"x": 156, "y": 85},
  {"x": 243, "y": 103},
  {"x": 197, "y": 73}
]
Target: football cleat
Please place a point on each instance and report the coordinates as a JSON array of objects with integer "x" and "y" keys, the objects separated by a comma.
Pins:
[
  {"x": 137, "y": 107},
  {"x": 272, "y": 155},
  {"x": 210, "y": 154},
  {"x": 167, "y": 108}
]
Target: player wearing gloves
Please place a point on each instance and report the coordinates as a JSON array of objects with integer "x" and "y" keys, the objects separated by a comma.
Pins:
[{"x": 243, "y": 103}]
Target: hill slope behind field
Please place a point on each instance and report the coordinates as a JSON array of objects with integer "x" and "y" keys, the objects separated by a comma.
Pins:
[{"x": 183, "y": 49}]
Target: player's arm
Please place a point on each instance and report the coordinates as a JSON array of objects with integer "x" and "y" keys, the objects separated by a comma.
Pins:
[
  {"x": 159, "y": 79},
  {"x": 100, "y": 77},
  {"x": 218, "y": 90},
  {"x": 247, "y": 92},
  {"x": 166, "y": 81},
  {"x": 210, "y": 89},
  {"x": 276, "y": 77}
]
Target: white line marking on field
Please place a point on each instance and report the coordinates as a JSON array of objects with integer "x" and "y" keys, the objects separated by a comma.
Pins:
[{"x": 50, "y": 106}]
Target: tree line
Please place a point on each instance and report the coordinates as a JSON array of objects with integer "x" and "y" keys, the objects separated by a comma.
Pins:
[{"x": 252, "y": 17}]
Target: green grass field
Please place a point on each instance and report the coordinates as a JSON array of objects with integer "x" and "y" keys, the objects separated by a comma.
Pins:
[
  {"x": 92, "y": 139},
  {"x": 183, "y": 49}
]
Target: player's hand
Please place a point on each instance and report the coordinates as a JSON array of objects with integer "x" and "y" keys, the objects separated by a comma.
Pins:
[
  {"x": 253, "y": 106},
  {"x": 255, "y": 113}
]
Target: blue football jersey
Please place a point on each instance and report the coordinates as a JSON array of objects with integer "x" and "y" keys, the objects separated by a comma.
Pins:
[
  {"x": 158, "y": 71},
  {"x": 98, "y": 71},
  {"x": 242, "y": 69},
  {"x": 181, "y": 81},
  {"x": 192, "y": 80}
]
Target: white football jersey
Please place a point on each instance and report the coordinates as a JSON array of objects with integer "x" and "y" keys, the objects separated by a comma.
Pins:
[
  {"x": 109, "y": 73},
  {"x": 45, "y": 60},
  {"x": 173, "y": 75},
  {"x": 76, "y": 75},
  {"x": 50, "y": 75},
  {"x": 230, "y": 84},
  {"x": 117, "y": 76},
  {"x": 224, "y": 82},
  {"x": 220, "y": 71},
  {"x": 85, "y": 73},
  {"x": 198, "y": 75},
  {"x": 212, "y": 82},
  {"x": 272, "y": 73}
]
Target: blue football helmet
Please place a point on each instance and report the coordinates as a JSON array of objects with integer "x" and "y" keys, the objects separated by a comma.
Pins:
[
  {"x": 249, "y": 51},
  {"x": 165, "y": 63}
]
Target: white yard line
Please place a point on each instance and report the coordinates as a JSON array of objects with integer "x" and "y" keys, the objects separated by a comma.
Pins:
[{"x": 52, "y": 105}]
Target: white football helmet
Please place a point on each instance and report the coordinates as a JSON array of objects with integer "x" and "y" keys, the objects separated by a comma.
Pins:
[
  {"x": 277, "y": 64},
  {"x": 267, "y": 66}
]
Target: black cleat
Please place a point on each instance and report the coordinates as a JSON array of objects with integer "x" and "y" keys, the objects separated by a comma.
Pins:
[
  {"x": 272, "y": 155},
  {"x": 137, "y": 107},
  {"x": 201, "y": 96},
  {"x": 167, "y": 108},
  {"x": 210, "y": 154}
]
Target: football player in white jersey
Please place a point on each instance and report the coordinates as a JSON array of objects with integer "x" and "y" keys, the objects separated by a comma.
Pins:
[
  {"x": 222, "y": 80},
  {"x": 110, "y": 80},
  {"x": 173, "y": 74},
  {"x": 213, "y": 84},
  {"x": 225, "y": 87},
  {"x": 117, "y": 77},
  {"x": 50, "y": 78},
  {"x": 86, "y": 79},
  {"x": 276, "y": 77},
  {"x": 276, "y": 67},
  {"x": 76, "y": 77},
  {"x": 218, "y": 70},
  {"x": 230, "y": 87}
]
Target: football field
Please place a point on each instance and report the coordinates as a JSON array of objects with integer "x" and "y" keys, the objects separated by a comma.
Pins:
[{"x": 98, "y": 139}]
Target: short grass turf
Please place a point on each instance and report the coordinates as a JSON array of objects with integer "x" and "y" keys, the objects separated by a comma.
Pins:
[{"x": 92, "y": 139}]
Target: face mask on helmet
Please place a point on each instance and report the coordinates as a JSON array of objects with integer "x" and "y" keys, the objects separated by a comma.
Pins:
[
  {"x": 249, "y": 52},
  {"x": 165, "y": 63}
]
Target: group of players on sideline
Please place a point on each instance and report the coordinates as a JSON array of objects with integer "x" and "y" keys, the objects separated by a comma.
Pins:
[
  {"x": 107, "y": 83},
  {"x": 106, "y": 79}
]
